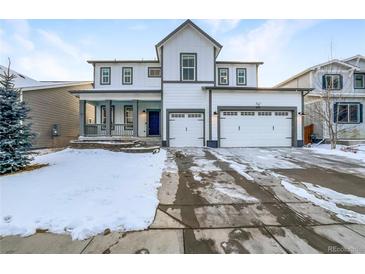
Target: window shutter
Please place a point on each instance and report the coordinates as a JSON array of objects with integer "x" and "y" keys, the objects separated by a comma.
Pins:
[
  {"x": 323, "y": 81},
  {"x": 341, "y": 82},
  {"x": 361, "y": 113},
  {"x": 335, "y": 107}
]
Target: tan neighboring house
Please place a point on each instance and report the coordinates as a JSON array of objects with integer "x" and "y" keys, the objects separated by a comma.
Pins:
[{"x": 54, "y": 112}]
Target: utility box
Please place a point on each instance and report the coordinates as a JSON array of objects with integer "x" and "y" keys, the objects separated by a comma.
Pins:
[{"x": 55, "y": 130}]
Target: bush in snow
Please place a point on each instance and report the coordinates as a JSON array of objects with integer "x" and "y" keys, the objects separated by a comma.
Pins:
[{"x": 15, "y": 134}]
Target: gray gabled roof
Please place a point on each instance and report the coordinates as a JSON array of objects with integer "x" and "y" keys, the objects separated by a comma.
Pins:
[{"x": 188, "y": 22}]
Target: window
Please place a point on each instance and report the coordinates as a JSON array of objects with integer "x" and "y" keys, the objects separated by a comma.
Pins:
[
  {"x": 177, "y": 115},
  {"x": 105, "y": 76},
  {"x": 154, "y": 72},
  {"x": 241, "y": 76},
  {"x": 264, "y": 113},
  {"x": 359, "y": 80},
  {"x": 188, "y": 66},
  {"x": 247, "y": 113},
  {"x": 223, "y": 76},
  {"x": 127, "y": 77},
  {"x": 348, "y": 113},
  {"x": 103, "y": 116},
  {"x": 194, "y": 115},
  {"x": 230, "y": 113},
  {"x": 332, "y": 81},
  {"x": 128, "y": 117}
]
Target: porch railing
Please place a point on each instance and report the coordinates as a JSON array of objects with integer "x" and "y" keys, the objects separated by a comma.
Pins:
[{"x": 115, "y": 130}]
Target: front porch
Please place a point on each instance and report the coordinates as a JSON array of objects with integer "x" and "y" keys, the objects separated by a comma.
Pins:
[{"x": 126, "y": 119}]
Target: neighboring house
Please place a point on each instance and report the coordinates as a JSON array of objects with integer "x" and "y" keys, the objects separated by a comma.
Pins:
[
  {"x": 345, "y": 80},
  {"x": 54, "y": 112},
  {"x": 188, "y": 98}
]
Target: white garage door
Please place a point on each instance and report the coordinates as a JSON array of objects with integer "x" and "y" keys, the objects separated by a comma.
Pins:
[
  {"x": 255, "y": 128},
  {"x": 186, "y": 129}
]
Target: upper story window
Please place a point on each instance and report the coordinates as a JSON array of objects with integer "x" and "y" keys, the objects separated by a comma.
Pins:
[
  {"x": 241, "y": 76},
  {"x": 154, "y": 72},
  {"x": 127, "y": 76},
  {"x": 188, "y": 66},
  {"x": 348, "y": 113},
  {"x": 105, "y": 76},
  {"x": 359, "y": 80},
  {"x": 223, "y": 76},
  {"x": 332, "y": 81}
]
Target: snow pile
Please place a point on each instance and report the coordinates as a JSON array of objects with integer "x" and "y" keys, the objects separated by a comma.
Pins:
[
  {"x": 82, "y": 192},
  {"x": 328, "y": 199},
  {"x": 340, "y": 151}
]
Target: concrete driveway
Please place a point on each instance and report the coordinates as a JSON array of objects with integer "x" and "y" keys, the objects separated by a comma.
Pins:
[{"x": 239, "y": 201}]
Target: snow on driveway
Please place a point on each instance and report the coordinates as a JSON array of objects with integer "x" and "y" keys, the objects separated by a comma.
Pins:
[
  {"x": 326, "y": 149},
  {"x": 82, "y": 192}
]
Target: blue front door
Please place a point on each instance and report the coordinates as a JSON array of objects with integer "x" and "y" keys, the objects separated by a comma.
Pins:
[{"x": 153, "y": 123}]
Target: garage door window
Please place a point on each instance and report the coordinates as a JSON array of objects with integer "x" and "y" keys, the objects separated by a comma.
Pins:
[
  {"x": 177, "y": 115},
  {"x": 230, "y": 113},
  {"x": 264, "y": 113},
  {"x": 281, "y": 113},
  {"x": 247, "y": 113},
  {"x": 194, "y": 115}
]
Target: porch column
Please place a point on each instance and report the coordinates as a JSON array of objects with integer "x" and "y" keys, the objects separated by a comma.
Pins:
[
  {"x": 82, "y": 117},
  {"x": 108, "y": 107},
  {"x": 135, "y": 118}
]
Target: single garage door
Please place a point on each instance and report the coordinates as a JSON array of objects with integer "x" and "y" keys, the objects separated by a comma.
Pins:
[
  {"x": 255, "y": 128},
  {"x": 186, "y": 129}
]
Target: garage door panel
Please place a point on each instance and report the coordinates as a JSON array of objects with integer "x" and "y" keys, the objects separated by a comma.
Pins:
[
  {"x": 186, "y": 129},
  {"x": 255, "y": 128}
]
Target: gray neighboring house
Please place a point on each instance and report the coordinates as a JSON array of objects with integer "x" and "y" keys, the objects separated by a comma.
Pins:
[
  {"x": 54, "y": 111},
  {"x": 347, "y": 79}
]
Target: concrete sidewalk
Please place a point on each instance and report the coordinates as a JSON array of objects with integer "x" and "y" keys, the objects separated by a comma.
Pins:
[{"x": 206, "y": 206}]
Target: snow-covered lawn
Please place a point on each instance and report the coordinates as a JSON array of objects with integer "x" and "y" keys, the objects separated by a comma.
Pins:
[
  {"x": 326, "y": 149},
  {"x": 82, "y": 192}
]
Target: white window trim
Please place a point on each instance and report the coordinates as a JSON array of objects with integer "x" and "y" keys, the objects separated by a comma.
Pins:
[
  {"x": 107, "y": 69},
  {"x": 124, "y": 70},
  {"x": 244, "y": 77},
  {"x": 220, "y": 82},
  {"x": 194, "y": 67}
]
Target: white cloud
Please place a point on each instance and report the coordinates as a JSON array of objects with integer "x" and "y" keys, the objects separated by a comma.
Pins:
[
  {"x": 268, "y": 40},
  {"x": 222, "y": 25},
  {"x": 42, "y": 66},
  {"x": 57, "y": 42},
  {"x": 23, "y": 42},
  {"x": 4, "y": 45}
]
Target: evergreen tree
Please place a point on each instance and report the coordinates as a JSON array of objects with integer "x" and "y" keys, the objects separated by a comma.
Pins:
[{"x": 15, "y": 133}]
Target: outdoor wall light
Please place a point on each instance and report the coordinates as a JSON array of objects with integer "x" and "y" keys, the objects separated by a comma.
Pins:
[
  {"x": 144, "y": 111},
  {"x": 215, "y": 113}
]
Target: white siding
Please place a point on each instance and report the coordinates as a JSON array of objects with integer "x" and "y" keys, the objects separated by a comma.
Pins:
[
  {"x": 141, "y": 81},
  {"x": 190, "y": 41},
  {"x": 264, "y": 99},
  {"x": 251, "y": 74},
  {"x": 185, "y": 96}
]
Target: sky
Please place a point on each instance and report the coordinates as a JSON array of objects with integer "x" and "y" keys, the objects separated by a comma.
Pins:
[{"x": 58, "y": 49}]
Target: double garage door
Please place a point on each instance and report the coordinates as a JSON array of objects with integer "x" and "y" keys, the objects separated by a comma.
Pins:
[
  {"x": 236, "y": 129},
  {"x": 255, "y": 128}
]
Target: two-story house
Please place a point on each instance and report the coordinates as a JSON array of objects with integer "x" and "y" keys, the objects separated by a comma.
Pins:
[
  {"x": 188, "y": 98},
  {"x": 342, "y": 84}
]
